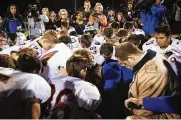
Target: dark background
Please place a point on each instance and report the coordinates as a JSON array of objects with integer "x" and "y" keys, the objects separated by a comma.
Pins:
[{"x": 57, "y": 4}]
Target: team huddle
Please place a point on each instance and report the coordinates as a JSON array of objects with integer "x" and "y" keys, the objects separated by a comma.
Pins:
[{"x": 95, "y": 70}]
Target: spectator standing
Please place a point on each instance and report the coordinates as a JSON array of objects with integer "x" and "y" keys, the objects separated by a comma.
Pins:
[
  {"x": 53, "y": 23},
  {"x": 13, "y": 21},
  {"x": 152, "y": 18},
  {"x": 111, "y": 16},
  {"x": 79, "y": 23},
  {"x": 36, "y": 23},
  {"x": 98, "y": 19},
  {"x": 178, "y": 11},
  {"x": 87, "y": 11},
  {"x": 120, "y": 19}
]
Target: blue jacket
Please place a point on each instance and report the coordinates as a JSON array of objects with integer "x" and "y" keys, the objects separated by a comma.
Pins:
[
  {"x": 151, "y": 21},
  {"x": 164, "y": 104},
  {"x": 13, "y": 25},
  {"x": 115, "y": 89},
  {"x": 113, "y": 73}
]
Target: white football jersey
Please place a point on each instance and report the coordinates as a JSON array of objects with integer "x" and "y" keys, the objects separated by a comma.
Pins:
[
  {"x": 33, "y": 85},
  {"x": 172, "y": 59},
  {"x": 95, "y": 50},
  {"x": 75, "y": 43},
  {"x": 87, "y": 95},
  {"x": 21, "y": 38},
  {"x": 138, "y": 32},
  {"x": 34, "y": 44},
  {"x": 55, "y": 57},
  {"x": 98, "y": 58},
  {"x": 16, "y": 87},
  {"x": 69, "y": 30},
  {"x": 174, "y": 47},
  {"x": 173, "y": 51},
  {"x": 9, "y": 50},
  {"x": 20, "y": 41},
  {"x": 27, "y": 44},
  {"x": 114, "y": 52},
  {"x": 98, "y": 40}
]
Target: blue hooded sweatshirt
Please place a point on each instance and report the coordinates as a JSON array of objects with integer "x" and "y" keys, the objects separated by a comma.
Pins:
[
  {"x": 116, "y": 79},
  {"x": 113, "y": 73},
  {"x": 151, "y": 21},
  {"x": 163, "y": 104}
]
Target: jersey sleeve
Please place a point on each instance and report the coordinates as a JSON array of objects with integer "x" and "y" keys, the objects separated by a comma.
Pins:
[
  {"x": 88, "y": 96},
  {"x": 37, "y": 88}
]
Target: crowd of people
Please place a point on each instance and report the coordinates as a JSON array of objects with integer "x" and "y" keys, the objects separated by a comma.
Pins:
[{"x": 92, "y": 64}]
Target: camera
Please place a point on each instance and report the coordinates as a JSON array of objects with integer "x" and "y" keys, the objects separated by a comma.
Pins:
[
  {"x": 96, "y": 15},
  {"x": 143, "y": 5},
  {"x": 32, "y": 7}
]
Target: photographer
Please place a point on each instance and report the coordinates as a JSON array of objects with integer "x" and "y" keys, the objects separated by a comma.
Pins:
[
  {"x": 13, "y": 21},
  {"x": 36, "y": 22},
  {"x": 98, "y": 19},
  {"x": 152, "y": 16}
]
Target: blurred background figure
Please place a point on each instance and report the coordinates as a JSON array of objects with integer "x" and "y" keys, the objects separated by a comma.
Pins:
[
  {"x": 1, "y": 22},
  {"x": 63, "y": 15},
  {"x": 120, "y": 19},
  {"x": 3, "y": 40},
  {"x": 152, "y": 16},
  {"x": 36, "y": 22},
  {"x": 53, "y": 23},
  {"x": 98, "y": 19},
  {"x": 87, "y": 10},
  {"x": 111, "y": 16},
  {"x": 13, "y": 21},
  {"x": 79, "y": 23}
]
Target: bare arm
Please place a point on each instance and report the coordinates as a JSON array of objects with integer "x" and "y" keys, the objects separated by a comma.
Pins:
[{"x": 32, "y": 110}]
